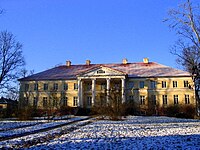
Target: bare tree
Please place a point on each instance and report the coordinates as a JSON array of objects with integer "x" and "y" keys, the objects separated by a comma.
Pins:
[
  {"x": 185, "y": 20},
  {"x": 11, "y": 59}
]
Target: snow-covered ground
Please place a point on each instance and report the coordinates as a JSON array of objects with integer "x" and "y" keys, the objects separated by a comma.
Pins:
[{"x": 134, "y": 132}]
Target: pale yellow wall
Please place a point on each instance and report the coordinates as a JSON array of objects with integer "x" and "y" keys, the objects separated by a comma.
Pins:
[{"x": 136, "y": 92}]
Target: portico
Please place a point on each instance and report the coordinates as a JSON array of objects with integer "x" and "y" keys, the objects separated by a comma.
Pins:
[{"x": 95, "y": 79}]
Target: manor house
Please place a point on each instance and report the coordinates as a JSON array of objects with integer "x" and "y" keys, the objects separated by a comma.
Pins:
[{"x": 147, "y": 84}]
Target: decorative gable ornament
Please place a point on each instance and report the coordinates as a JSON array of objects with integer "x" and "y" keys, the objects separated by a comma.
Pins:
[{"x": 101, "y": 71}]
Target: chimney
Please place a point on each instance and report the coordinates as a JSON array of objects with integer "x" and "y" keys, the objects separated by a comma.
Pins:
[
  {"x": 88, "y": 62},
  {"x": 124, "y": 61},
  {"x": 68, "y": 63},
  {"x": 146, "y": 60}
]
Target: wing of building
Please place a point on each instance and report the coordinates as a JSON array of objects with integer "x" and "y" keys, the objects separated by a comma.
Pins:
[{"x": 146, "y": 84}]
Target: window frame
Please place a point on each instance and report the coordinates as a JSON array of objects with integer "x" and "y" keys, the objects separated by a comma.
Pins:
[
  {"x": 165, "y": 99},
  {"x": 142, "y": 100},
  {"x": 153, "y": 84},
  {"x": 175, "y": 84},
  {"x": 187, "y": 99},
  {"x": 75, "y": 86},
  {"x": 164, "y": 84},
  {"x": 141, "y": 84},
  {"x": 65, "y": 86},
  {"x": 45, "y": 86},
  {"x": 55, "y": 86},
  {"x": 176, "y": 100},
  {"x": 75, "y": 101}
]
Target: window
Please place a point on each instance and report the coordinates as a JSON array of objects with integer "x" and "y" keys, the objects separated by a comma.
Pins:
[
  {"x": 100, "y": 71},
  {"x": 141, "y": 84},
  {"x": 35, "y": 87},
  {"x": 131, "y": 85},
  {"x": 187, "y": 99},
  {"x": 44, "y": 101},
  {"x": 75, "y": 86},
  {"x": 175, "y": 99},
  {"x": 55, "y": 102},
  {"x": 164, "y": 84},
  {"x": 142, "y": 100},
  {"x": 45, "y": 86},
  {"x": 89, "y": 101},
  {"x": 186, "y": 84},
  {"x": 175, "y": 84},
  {"x": 131, "y": 98},
  {"x": 89, "y": 86},
  {"x": 116, "y": 86},
  {"x": 153, "y": 98},
  {"x": 75, "y": 102},
  {"x": 65, "y": 86},
  {"x": 164, "y": 97},
  {"x": 153, "y": 84},
  {"x": 64, "y": 101},
  {"x": 26, "y": 100},
  {"x": 26, "y": 87},
  {"x": 35, "y": 101},
  {"x": 55, "y": 86},
  {"x": 103, "y": 86}
]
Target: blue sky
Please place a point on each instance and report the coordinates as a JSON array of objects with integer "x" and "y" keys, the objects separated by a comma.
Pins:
[{"x": 104, "y": 31}]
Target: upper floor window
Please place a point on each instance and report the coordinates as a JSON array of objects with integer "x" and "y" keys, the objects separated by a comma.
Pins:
[
  {"x": 55, "y": 86},
  {"x": 187, "y": 99},
  {"x": 65, "y": 86},
  {"x": 175, "y": 84},
  {"x": 75, "y": 86},
  {"x": 89, "y": 86},
  {"x": 141, "y": 84},
  {"x": 142, "y": 100},
  {"x": 175, "y": 99},
  {"x": 103, "y": 86},
  {"x": 186, "y": 84},
  {"x": 35, "y": 86},
  {"x": 153, "y": 84},
  {"x": 164, "y": 97},
  {"x": 45, "y": 86},
  {"x": 26, "y": 87},
  {"x": 164, "y": 84},
  {"x": 131, "y": 85}
]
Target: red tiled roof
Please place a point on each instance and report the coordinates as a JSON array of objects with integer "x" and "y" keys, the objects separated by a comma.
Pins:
[{"x": 150, "y": 69}]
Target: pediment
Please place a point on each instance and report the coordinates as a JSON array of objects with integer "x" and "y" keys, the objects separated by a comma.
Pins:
[{"x": 102, "y": 71}]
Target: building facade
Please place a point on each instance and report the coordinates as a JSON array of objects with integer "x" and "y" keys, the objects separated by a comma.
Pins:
[{"x": 147, "y": 84}]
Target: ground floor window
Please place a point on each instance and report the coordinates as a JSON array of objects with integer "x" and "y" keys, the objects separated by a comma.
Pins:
[
  {"x": 35, "y": 101},
  {"x": 153, "y": 99},
  {"x": 75, "y": 101},
  {"x": 164, "y": 97},
  {"x": 187, "y": 99},
  {"x": 64, "y": 101},
  {"x": 142, "y": 100},
  {"x": 45, "y": 102},
  {"x": 89, "y": 101},
  {"x": 175, "y": 99}
]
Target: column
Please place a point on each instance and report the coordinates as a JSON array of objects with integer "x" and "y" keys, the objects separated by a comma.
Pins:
[
  {"x": 123, "y": 93},
  {"x": 108, "y": 88},
  {"x": 93, "y": 91},
  {"x": 80, "y": 85}
]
